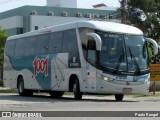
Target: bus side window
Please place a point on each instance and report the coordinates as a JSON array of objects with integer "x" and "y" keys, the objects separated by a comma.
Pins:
[
  {"x": 55, "y": 45},
  {"x": 20, "y": 45},
  {"x": 70, "y": 41},
  {"x": 31, "y": 46},
  {"x": 84, "y": 38},
  {"x": 43, "y": 44},
  {"x": 70, "y": 45},
  {"x": 10, "y": 48},
  {"x": 84, "y": 48}
]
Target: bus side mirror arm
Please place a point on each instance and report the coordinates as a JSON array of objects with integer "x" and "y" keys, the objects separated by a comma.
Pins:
[
  {"x": 97, "y": 39},
  {"x": 155, "y": 45}
]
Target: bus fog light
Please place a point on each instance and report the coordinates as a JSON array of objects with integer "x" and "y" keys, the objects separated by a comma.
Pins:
[{"x": 105, "y": 78}]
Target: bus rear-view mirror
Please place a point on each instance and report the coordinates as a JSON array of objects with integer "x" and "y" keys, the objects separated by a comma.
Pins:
[
  {"x": 97, "y": 39},
  {"x": 155, "y": 45}
]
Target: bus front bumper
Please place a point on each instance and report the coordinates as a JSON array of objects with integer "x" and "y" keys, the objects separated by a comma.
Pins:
[{"x": 113, "y": 88}]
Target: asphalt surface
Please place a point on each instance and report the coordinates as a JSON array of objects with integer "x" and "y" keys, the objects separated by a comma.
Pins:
[{"x": 38, "y": 102}]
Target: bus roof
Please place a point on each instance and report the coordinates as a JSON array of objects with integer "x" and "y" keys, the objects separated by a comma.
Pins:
[
  {"x": 112, "y": 27},
  {"x": 99, "y": 25}
]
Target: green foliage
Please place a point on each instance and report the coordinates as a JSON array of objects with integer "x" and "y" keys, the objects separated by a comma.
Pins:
[
  {"x": 151, "y": 26},
  {"x": 3, "y": 38},
  {"x": 1, "y": 83},
  {"x": 8, "y": 90},
  {"x": 145, "y": 5},
  {"x": 150, "y": 51}
]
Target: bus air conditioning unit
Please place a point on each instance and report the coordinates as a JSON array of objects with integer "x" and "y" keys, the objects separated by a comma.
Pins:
[
  {"x": 50, "y": 14},
  {"x": 88, "y": 16},
  {"x": 33, "y": 13},
  {"x": 64, "y": 14},
  {"x": 95, "y": 15},
  {"x": 79, "y": 14},
  {"x": 110, "y": 17},
  {"x": 103, "y": 16}
]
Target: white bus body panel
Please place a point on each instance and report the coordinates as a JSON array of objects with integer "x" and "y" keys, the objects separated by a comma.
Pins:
[{"x": 87, "y": 74}]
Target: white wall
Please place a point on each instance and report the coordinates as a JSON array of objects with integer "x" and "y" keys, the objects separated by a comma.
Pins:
[
  {"x": 53, "y": 3},
  {"x": 12, "y": 22},
  {"x": 62, "y": 3},
  {"x": 46, "y": 21}
]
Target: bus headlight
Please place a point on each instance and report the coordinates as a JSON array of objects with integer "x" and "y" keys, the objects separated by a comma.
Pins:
[
  {"x": 147, "y": 80},
  {"x": 105, "y": 78}
]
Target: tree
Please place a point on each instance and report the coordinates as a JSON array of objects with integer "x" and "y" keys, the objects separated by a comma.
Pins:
[
  {"x": 3, "y": 37},
  {"x": 123, "y": 11},
  {"x": 151, "y": 8},
  {"x": 144, "y": 14}
]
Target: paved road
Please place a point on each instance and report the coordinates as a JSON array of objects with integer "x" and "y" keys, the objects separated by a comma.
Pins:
[
  {"x": 67, "y": 103},
  {"x": 13, "y": 102}
]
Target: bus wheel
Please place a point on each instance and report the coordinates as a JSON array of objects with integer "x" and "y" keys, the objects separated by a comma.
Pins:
[
  {"x": 76, "y": 90},
  {"x": 119, "y": 97},
  {"x": 21, "y": 90},
  {"x": 56, "y": 94}
]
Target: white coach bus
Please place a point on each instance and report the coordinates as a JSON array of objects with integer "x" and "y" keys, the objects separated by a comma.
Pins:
[{"x": 81, "y": 57}]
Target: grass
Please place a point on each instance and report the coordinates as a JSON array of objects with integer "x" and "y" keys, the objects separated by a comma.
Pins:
[
  {"x": 1, "y": 82},
  {"x": 149, "y": 95},
  {"x": 8, "y": 91}
]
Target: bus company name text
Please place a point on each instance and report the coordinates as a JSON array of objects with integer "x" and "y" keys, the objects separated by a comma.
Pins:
[{"x": 40, "y": 66}]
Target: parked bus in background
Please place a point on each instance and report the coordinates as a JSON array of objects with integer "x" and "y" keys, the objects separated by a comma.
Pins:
[{"x": 80, "y": 57}]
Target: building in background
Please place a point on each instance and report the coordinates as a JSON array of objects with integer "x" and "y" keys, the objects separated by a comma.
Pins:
[
  {"x": 29, "y": 18},
  {"x": 63, "y": 3}
]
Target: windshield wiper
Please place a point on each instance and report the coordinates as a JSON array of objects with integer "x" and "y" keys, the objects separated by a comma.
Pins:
[
  {"x": 134, "y": 61},
  {"x": 119, "y": 62}
]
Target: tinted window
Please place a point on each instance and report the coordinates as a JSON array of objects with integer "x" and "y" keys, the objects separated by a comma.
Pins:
[
  {"x": 31, "y": 45},
  {"x": 70, "y": 45},
  {"x": 20, "y": 47},
  {"x": 55, "y": 45},
  {"x": 43, "y": 44},
  {"x": 10, "y": 46},
  {"x": 84, "y": 39},
  {"x": 91, "y": 55},
  {"x": 70, "y": 41}
]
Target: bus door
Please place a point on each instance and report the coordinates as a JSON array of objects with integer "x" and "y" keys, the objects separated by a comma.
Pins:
[{"x": 91, "y": 66}]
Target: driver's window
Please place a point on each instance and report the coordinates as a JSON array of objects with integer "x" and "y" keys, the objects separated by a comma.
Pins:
[{"x": 91, "y": 52}]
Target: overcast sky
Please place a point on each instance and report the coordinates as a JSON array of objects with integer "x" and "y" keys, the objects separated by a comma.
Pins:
[{"x": 11, "y": 4}]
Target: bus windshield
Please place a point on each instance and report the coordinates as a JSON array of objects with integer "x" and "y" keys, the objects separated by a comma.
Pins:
[{"x": 126, "y": 54}]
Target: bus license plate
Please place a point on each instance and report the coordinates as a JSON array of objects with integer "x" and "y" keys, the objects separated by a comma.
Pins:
[{"x": 127, "y": 90}]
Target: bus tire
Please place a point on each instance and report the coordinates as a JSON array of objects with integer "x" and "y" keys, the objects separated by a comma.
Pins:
[
  {"x": 119, "y": 97},
  {"x": 76, "y": 90},
  {"x": 21, "y": 90},
  {"x": 56, "y": 94}
]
